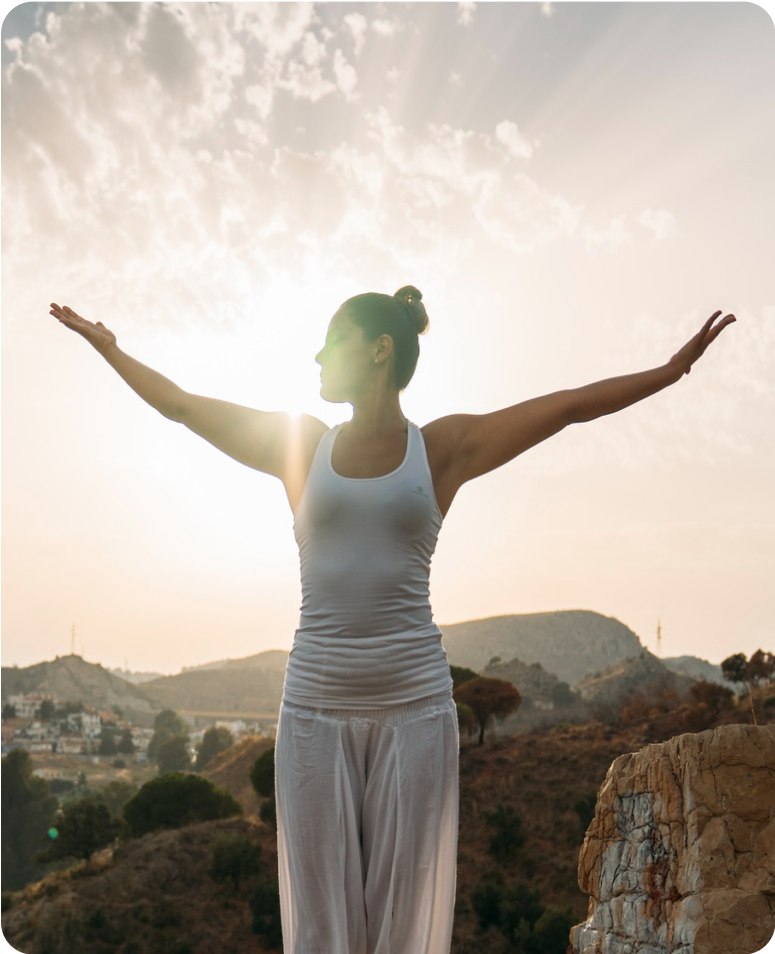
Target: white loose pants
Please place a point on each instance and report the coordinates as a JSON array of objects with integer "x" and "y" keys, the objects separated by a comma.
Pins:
[{"x": 367, "y": 820}]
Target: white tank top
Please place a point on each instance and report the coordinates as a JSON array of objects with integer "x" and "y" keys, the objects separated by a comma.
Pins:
[{"x": 366, "y": 638}]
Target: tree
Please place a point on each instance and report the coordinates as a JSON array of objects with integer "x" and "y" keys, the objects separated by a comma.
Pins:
[
  {"x": 169, "y": 719},
  {"x": 488, "y": 699},
  {"x": 126, "y": 745},
  {"x": 461, "y": 674},
  {"x": 466, "y": 720},
  {"x": 175, "y": 800},
  {"x": 9, "y": 711},
  {"x": 216, "y": 739},
  {"x": 760, "y": 668},
  {"x": 262, "y": 774},
  {"x": 108, "y": 742},
  {"x": 46, "y": 710},
  {"x": 735, "y": 669},
  {"x": 174, "y": 755},
  {"x": 166, "y": 725},
  {"x": 27, "y": 809},
  {"x": 115, "y": 795},
  {"x": 81, "y": 829}
]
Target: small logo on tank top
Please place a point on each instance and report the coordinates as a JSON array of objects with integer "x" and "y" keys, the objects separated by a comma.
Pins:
[{"x": 420, "y": 490}]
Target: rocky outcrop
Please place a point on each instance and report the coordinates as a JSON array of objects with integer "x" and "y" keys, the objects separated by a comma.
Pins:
[{"x": 680, "y": 856}]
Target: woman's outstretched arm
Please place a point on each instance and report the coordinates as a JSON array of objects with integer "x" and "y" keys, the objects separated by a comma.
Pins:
[
  {"x": 271, "y": 442},
  {"x": 464, "y": 446}
]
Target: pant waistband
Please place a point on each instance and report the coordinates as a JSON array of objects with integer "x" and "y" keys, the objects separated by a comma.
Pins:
[{"x": 386, "y": 715}]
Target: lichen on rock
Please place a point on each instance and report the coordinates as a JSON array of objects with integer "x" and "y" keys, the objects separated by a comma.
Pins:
[{"x": 680, "y": 856}]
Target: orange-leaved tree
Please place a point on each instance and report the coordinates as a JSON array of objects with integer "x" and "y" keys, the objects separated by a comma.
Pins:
[{"x": 488, "y": 699}]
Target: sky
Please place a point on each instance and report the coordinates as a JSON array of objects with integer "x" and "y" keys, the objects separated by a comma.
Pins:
[{"x": 575, "y": 188}]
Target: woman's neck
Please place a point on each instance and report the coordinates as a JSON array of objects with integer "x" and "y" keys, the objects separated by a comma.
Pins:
[{"x": 372, "y": 418}]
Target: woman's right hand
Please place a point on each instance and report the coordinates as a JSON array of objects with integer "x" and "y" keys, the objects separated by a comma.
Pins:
[{"x": 97, "y": 335}]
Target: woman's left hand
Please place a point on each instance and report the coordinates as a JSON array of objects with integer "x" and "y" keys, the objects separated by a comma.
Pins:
[{"x": 684, "y": 359}]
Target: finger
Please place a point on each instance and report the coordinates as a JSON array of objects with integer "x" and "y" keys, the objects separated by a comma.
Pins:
[{"x": 710, "y": 321}]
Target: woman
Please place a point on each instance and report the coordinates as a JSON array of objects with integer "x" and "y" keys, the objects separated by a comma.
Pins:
[{"x": 366, "y": 754}]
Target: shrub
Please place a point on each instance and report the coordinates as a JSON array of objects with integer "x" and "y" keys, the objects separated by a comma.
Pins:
[
  {"x": 265, "y": 908},
  {"x": 81, "y": 829},
  {"x": 262, "y": 774},
  {"x": 235, "y": 858},
  {"x": 175, "y": 800},
  {"x": 507, "y": 837}
]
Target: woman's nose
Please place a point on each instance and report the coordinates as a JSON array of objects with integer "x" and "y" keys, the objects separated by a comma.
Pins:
[{"x": 319, "y": 356}]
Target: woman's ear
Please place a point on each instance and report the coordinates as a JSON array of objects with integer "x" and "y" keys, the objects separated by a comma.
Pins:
[{"x": 384, "y": 347}]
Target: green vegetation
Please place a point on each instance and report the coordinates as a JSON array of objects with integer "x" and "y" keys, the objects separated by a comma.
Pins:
[
  {"x": 27, "y": 809},
  {"x": 262, "y": 774},
  {"x": 174, "y": 755},
  {"x": 517, "y": 913},
  {"x": 168, "y": 726},
  {"x": 507, "y": 837},
  {"x": 80, "y": 829},
  {"x": 234, "y": 858},
  {"x": 461, "y": 674},
  {"x": 215, "y": 740},
  {"x": 265, "y": 908},
  {"x": 262, "y": 780},
  {"x": 177, "y": 799}
]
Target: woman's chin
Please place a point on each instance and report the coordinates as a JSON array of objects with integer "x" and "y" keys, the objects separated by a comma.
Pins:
[{"x": 328, "y": 394}]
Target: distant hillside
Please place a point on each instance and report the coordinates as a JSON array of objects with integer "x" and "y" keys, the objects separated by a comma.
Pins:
[
  {"x": 696, "y": 668},
  {"x": 637, "y": 674},
  {"x": 545, "y": 699},
  {"x": 136, "y": 678},
  {"x": 71, "y": 678},
  {"x": 569, "y": 643},
  {"x": 239, "y": 690},
  {"x": 274, "y": 659}
]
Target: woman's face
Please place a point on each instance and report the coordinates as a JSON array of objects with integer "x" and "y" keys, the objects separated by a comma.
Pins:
[{"x": 346, "y": 361}]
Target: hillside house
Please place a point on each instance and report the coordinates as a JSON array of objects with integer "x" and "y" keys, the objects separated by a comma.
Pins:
[
  {"x": 71, "y": 745},
  {"x": 27, "y": 706}
]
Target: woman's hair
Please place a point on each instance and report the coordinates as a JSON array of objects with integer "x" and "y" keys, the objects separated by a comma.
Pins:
[{"x": 402, "y": 316}]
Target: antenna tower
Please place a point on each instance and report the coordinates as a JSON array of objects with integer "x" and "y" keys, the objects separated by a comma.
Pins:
[{"x": 659, "y": 638}]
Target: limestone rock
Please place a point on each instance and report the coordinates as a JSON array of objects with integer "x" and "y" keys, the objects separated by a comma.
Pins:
[{"x": 680, "y": 856}]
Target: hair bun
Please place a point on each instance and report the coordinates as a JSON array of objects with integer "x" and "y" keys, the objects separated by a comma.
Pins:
[{"x": 412, "y": 298}]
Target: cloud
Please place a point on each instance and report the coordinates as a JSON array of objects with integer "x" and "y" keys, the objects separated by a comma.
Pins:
[
  {"x": 609, "y": 238},
  {"x": 387, "y": 27},
  {"x": 346, "y": 77},
  {"x": 357, "y": 24},
  {"x": 169, "y": 189},
  {"x": 517, "y": 145},
  {"x": 465, "y": 12},
  {"x": 661, "y": 222}
]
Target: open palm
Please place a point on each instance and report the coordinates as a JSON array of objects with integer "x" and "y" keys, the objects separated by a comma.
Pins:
[{"x": 96, "y": 334}]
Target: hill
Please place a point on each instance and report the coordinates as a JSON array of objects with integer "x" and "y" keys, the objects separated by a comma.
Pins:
[
  {"x": 239, "y": 690},
  {"x": 568, "y": 643},
  {"x": 71, "y": 678},
  {"x": 154, "y": 894},
  {"x": 641, "y": 673},
  {"x": 272, "y": 659},
  {"x": 696, "y": 668},
  {"x": 545, "y": 699}
]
